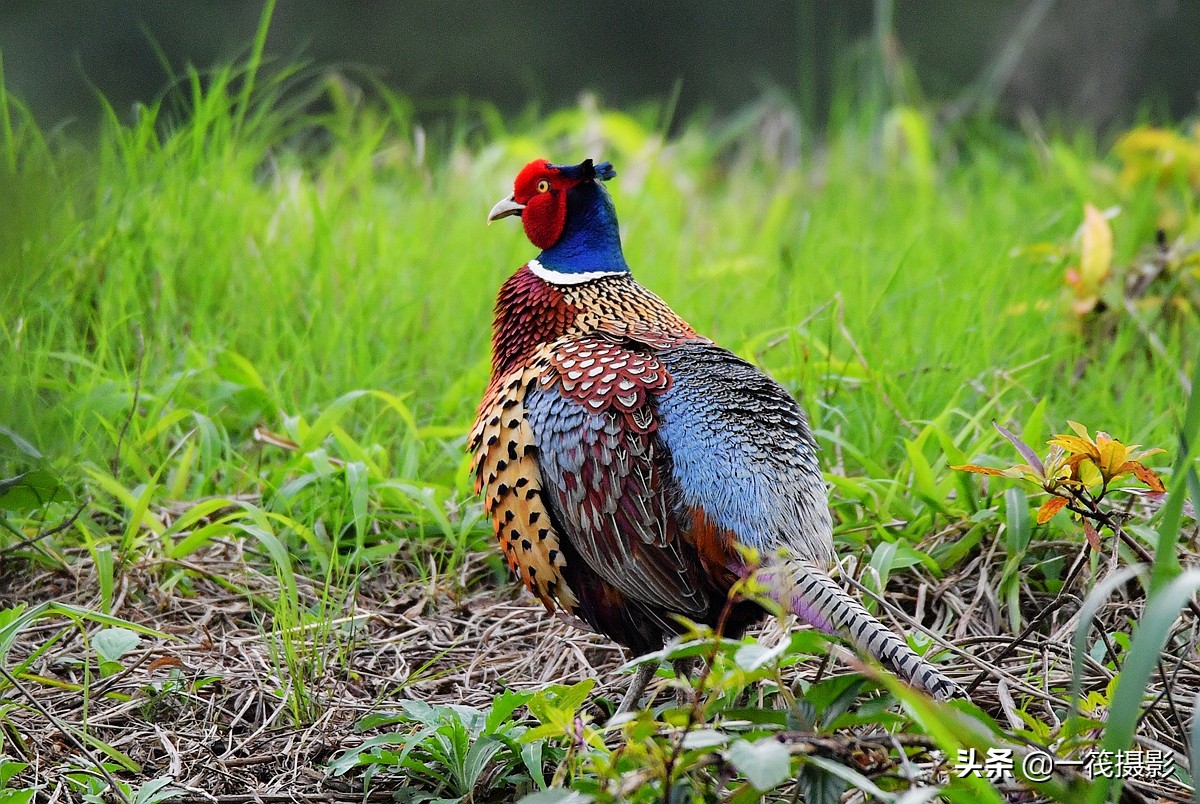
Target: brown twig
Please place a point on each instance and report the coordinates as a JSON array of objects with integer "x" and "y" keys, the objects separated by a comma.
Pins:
[{"x": 42, "y": 534}]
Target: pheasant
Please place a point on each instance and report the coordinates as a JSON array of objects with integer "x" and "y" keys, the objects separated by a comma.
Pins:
[{"x": 625, "y": 460}]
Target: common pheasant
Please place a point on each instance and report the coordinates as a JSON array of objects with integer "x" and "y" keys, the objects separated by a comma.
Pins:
[{"x": 624, "y": 459}]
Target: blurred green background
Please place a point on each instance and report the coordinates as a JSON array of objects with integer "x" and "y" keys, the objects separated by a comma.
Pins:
[{"x": 1098, "y": 62}]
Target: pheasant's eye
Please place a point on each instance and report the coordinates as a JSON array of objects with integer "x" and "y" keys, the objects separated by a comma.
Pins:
[{"x": 543, "y": 186}]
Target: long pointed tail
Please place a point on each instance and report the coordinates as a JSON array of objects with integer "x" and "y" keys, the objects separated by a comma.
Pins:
[{"x": 813, "y": 596}]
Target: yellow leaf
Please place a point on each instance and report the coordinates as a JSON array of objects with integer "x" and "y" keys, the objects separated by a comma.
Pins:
[
  {"x": 1049, "y": 508},
  {"x": 1075, "y": 446},
  {"x": 1112, "y": 455},
  {"x": 1096, "y": 251},
  {"x": 979, "y": 470},
  {"x": 1147, "y": 140},
  {"x": 1156, "y": 152},
  {"x": 1146, "y": 475}
]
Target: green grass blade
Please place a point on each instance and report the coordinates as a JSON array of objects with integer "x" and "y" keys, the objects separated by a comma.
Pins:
[
  {"x": 1166, "y": 561},
  {"x": 1161, "y": 612}
]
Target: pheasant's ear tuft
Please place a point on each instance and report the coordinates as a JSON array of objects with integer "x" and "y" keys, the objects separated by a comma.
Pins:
[{"x": 585, "y": 171}]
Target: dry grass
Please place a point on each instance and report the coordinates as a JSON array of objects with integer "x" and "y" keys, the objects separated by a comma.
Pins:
[
  {"x": 209, "y": 706},
  {"x": 220, "y": 722}
]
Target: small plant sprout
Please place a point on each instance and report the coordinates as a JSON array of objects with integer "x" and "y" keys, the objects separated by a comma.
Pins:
[{"x": 1077, "y": 473}]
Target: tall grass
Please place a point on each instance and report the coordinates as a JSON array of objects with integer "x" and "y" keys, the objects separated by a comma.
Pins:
[{"x": 266, "y": 269}]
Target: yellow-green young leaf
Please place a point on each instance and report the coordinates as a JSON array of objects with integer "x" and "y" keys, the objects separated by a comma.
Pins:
[
  {"x": 1049, "y": 508},
  {"x": 1096, "y": 250},
  {"x": 1088, "y": 474},
  {"x": 1080, "y": 430}
]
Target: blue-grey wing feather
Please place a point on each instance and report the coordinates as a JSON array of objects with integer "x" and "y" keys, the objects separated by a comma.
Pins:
[{"x": 742, "y": 452}]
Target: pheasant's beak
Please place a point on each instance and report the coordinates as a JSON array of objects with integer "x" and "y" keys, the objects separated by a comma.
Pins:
[{"x": 504, "y": 208}]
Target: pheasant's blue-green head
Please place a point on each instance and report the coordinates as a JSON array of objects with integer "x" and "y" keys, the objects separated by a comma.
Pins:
[{"x": 569, "y": 215}]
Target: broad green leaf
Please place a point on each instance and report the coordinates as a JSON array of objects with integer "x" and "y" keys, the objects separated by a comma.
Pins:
[
  {"x": 754, "y": 655},
  {"x": 1018, "y": 527},
  {"x": 766, "y": 763},
  {"x": 20, "y": 443},
  {"x": 157, "y": 790},
  {"x": 850, "y": 775},
  {"x": 30, "y": 491},
  {"x": 502, "y": 708},
  {"x": 113, "y": 643},
  {"x": 704, "y": 738}
]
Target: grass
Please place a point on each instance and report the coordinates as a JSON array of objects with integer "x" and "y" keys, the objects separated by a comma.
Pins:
[{"x": 243, "y": 341}]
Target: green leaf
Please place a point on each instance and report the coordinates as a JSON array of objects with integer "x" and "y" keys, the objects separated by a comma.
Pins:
[
  {"x": 156, "y": 790},
  {"x": 9, "y": 769},
  {"x": 30, "y": 491},
  {"x": 475, "y": 762},
  {"x": 1019, "y": 525},
  {"x": 1166, "y": 561},
  {"x": 358, "y": 755},
  {"x": 766, "y": 763},
  {"x": 102, "y": 559},
  {"x": 1035, "y": 424},
  {"x": 113, "y": 643},
  {"x": 833, "y": 697},
  {"x": 557, "y": 796},
  {"x": 752, "y": 656},
  {"x": 1095, "y": 599},
  {"x": 818, "y": 787},
  {"x": 850, "y": 775},
  {"x": 704, "y": 738},
  {"x": 20, "y": 443},
  {"x": 503, "y": 706},
  {"x": 923, "y": 479}
]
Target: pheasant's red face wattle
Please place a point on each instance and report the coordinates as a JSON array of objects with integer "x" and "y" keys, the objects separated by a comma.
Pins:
[{"x": 544, "y": 193}]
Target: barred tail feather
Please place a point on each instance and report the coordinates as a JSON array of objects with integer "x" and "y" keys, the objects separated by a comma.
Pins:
[{"x": 813, "y": 596}]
